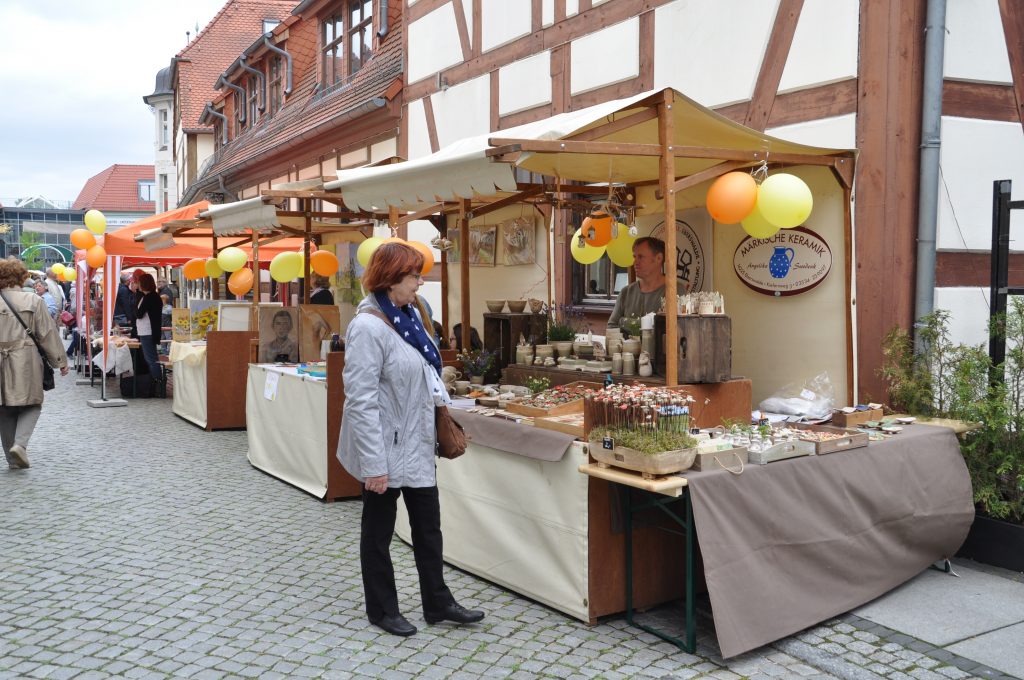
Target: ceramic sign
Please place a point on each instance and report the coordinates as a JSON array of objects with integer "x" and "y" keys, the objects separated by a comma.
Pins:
[
  {"x": 690, "y": 265},
  {"x": 790, "y": 262}
]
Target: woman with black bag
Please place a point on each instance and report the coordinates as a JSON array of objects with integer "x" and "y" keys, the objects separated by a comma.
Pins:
[
  {"x": 388, "y": 438},
  {"x": 28, "y": 337}
]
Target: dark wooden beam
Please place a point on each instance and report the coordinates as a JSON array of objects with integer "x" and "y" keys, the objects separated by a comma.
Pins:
[
  {"x": 1012, "y": 14},
  {"x": 772, "y": 64},
  {"x": 973, "y": 270}
]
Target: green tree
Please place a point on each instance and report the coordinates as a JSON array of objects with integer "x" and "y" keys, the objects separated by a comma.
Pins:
[{"x": 34, "y": 258}]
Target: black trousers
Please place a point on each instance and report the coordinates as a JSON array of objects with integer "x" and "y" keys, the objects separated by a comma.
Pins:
[{"x": 378, "y": 527}]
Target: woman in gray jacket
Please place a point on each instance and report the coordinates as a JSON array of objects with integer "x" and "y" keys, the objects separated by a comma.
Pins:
[
  {"x": 388, "y": 439},
  {"x": 21, "y": 367}
]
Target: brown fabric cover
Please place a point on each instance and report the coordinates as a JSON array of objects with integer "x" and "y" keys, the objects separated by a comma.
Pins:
[
  {"x": 795, "y": 542},
  {"x": 505, "y": 435}
]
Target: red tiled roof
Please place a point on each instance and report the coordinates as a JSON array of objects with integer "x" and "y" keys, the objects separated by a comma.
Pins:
[
  {"x": 229, "y": 33},
  {"x": 307, "y": 109},
  {"x": 116, "y": 188}
]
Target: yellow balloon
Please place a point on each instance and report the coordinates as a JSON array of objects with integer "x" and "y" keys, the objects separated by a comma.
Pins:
[
  {"x": 70, "y": 274},
  {"x": 58, "y": 268},
  {"x": 586, "y": 254},
  {"x": 213, "y": 269},
  {"x": 620, "y": 250},
  {"x": 231, "y": 259},
  {"x": 285, "y": 267},
  {"x": 785, "y": 200},
  {"x": 366, "y": 249},
  {"x": 756, "y": 225},
  {"x": 95, "y": 221}
]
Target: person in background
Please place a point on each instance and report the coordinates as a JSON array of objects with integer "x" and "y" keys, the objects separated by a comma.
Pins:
[
  {"x": 148, "y": 311},
  {"x": 322, "y": 294},
  {"x": 165, "y": 317},
  {"x": 168, "y": 289},
  {"x": 21, "y": 367},
  {"x": 124, "y": 305},
  {"x": 388, "y": 439},
  {"x": 42, "y": 290},
  {"x": 456, "y": 340},
  {"x": 56, "y": 290},
  {"x": 645, "y": 295}
]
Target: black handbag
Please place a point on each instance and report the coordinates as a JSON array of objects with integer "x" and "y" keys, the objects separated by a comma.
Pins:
[{"x": 48, "y": 381}]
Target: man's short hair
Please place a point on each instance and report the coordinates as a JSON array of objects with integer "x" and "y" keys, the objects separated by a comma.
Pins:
[
  {"x": 656, "y": 245},
  {"x": 125, "y": 277}
]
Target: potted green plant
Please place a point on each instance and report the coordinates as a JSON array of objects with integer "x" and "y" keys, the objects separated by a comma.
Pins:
[
  {"x": 563, "y": 325},
  {"x": 476, "y": 364}
]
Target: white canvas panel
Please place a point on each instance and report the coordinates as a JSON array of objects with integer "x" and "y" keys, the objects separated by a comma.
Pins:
[
  {"x": 419, "y": 138},
  {"x": 974, "y": 154},
  {"x": 691, "y": 54},
  {"x": 824, "y": 46},
  {"x": 504, "y": 21},
  {"x": 384, "y": 149},
  {"x": 463, "y": 110},
  {"x": 547, "y": 12},
  {"x": 968, "y": 308},
  {"x": 607, "y": 56},
  {"x": 433, "y": 43},
  {"x": 836, "y": 132},
  {"x": 975, "y": 44},
  {"x": 524, "y": 84}
]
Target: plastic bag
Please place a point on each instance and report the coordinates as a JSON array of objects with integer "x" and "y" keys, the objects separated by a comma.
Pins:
[{"x": 814, "y": 399}]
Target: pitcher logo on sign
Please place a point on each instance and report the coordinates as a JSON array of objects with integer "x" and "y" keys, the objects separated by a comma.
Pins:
[
  {"x": 790, "y": 262},
  {"x": 690, "y": 267}
]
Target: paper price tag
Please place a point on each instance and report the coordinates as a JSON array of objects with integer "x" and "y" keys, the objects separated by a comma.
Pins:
[
  {"x": 608, "y": 443},
  {"x": 270, "y": 386},
  {"x": 806, "y": 394}
]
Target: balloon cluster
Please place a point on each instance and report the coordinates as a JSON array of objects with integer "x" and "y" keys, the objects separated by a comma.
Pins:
[
  {"x": 370, "y": 245},
  {"x": 781, "y": 201},
  {"x": 64, "y": 272},
  {"x": 85, "y": 239},
  {"x": 600, "y": 234}
]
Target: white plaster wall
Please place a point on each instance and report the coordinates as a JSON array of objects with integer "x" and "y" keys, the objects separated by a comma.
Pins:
[
  {"x": 433, "y": 43},
  {"x": 524, "y": 84},
  {"x": 839, "y": 132},
  {"x": 824, "y": 46},
  {"x": 467, "y": 11},
  {"x": 974, "y": 154},
  {"x": 418, "y": 142},
  {"x": 696, "y": 43},
  {"x": 547, "y": 12},
  {"x": 606, "y": 56},
  {"x": 463, "y": 110},
  {"x": 310, "y": 172},
  {"x": 383, "y": 150},
  {"x": 975, "y": 44},
  {"x": 351, "y": 159},
  {"x": 503, "y": 21},
  {"x": 572, "y": 7},
  {"x": 204, "y": 149},
  {"x": 499, "y": 282},
  {"x": 968, "y": 308}
]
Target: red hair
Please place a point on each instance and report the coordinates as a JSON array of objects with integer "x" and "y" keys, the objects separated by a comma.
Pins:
[
  {"x": 389, "y": 264},
  {"x": 146, "y": 282}
]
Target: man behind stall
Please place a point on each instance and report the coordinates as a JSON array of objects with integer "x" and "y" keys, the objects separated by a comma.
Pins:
[{"x": 644, "y": 295}]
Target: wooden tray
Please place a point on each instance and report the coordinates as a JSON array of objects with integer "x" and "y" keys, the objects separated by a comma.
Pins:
[
  {"x": 852, "y": 440},
  {"x": 729, "y": 459},
  {"x": 782, "y": 451},
  {"x": 840, "y": 419},
  {"x": 571, "y": 423},
  {"x": 575, "y": 406}
]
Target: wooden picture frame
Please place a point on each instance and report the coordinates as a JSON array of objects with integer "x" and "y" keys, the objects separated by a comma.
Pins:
[
  {"x": 316, "y": 324},
  {"x": 278, "y": 335}
]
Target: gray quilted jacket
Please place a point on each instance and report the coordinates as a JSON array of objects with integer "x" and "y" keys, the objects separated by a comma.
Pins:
[{"x": 388, "y": 423}]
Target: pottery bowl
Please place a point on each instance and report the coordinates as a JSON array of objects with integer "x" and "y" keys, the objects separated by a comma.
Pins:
[
  {"x": 495, "y": 306},
  {"x": 516, "y": 306}
]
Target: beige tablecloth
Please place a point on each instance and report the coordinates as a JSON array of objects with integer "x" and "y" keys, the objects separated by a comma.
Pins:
[{"x": 189, "y": 365}]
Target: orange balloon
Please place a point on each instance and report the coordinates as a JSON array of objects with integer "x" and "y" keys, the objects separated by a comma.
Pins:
[
  {"x": 597, "y": 229},
  {"x": 83, "y": 238},
  {"x": 323, "y": 262},
  {"x": 732, "y": 197},
  {"x": 194, "y": 269},
  {"x": 60, "y": 276},
  {"x": 395, "y": 239},
  {"x": 96, "y": 257},
  {"x": 240, "y": 281},
  {"x": 427, "y": 253}
]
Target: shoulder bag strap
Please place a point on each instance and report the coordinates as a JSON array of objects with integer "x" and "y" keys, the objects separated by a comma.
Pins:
[{"x": 31, "y": 335}]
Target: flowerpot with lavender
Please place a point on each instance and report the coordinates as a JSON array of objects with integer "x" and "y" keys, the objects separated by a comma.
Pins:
[{"x": 476, "y": 364}]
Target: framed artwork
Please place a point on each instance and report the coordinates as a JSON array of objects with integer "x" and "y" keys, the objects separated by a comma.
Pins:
[
  {"x": 279, "y": 336},
  {"x": 518, "y": 241},
  {"x": 181, "y": 330},
  {"x": 233, "y": 316},
  {"x": 316, "y": 324},
  {"x": 202, "y": 318},
  {"x": 483, "y": 242}
]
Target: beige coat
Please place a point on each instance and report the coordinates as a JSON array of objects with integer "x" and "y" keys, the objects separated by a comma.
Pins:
[{"x": 21, "y": 369}]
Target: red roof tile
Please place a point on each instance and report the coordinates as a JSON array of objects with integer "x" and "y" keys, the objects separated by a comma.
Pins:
[
  {"x": 235, "y": 27},
  {"x": 116, "y": 188}
]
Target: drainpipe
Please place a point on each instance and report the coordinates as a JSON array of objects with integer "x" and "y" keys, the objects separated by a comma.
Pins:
[
  {"x": 224, "y": 190},
  {"x": 287, "y": 57},
  {"x": 383, "y": 19},
  {"x": 931, "y": 140},
  {"x": 224, "y": 119},
  {"x": 240, "y": 112},
  {"x": 263, "y": 83}
]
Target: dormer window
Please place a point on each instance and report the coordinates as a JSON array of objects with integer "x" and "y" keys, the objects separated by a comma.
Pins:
[
  {"x": 269, "y": 25},
  {"x": 348, "y": 22},
  {"x": 147, "y": 190},
  {"x": 360, "y": 31},
  {"x": 275, "y": 78}
]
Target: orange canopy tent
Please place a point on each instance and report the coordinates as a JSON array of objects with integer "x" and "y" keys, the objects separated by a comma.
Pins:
[{"x": 122, "y": 242}]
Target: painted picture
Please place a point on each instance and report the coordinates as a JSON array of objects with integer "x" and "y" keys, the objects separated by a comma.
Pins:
[
  {"x": 181, "y": 330},
  {"x": 279, "y": 335},
  {"x": 483, "y": 243},
  {"x": 518, "y": 241},
  {"x": 202, "y": 318},
  {"x": 318, "y": 323}
]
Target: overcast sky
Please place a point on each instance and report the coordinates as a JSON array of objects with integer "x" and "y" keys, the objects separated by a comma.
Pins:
[{"x": 72, "y": 80}]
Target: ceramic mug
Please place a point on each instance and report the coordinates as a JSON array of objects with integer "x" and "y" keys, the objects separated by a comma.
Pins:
[
  {"x": 461, "y": 387},
  {"x": 450, "y": 373}
]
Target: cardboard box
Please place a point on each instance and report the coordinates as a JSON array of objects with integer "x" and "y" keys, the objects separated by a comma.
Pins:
[{"x": 840, "y": 419}]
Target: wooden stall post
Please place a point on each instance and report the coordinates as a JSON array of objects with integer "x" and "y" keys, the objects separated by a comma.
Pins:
[
  {"x": 215, "y": 280},
  {"x": 464, "y": 209},
  {"x": 666, "y": 136},
  {"x": 305, "y": 246}
]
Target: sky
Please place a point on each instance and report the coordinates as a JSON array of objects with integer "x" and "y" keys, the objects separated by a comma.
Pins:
[{"x": 72, "y": 82}]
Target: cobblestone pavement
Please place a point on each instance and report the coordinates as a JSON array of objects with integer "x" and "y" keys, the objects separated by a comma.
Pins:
[{"x": 140, "y": 546}]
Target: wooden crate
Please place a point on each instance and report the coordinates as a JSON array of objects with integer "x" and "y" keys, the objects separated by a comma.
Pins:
[
  {"x": 559, "y": 410},
  {"x": 704, "y": 354},
  {"x": 571, "y": 423},
  {"x": 851, "y": 440},
  {"x": 840, "y": 419},
  {"x": 502, "y": 331}
]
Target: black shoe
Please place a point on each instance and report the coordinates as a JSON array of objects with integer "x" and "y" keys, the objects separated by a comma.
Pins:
[
  {"x": 456, "y": 613},
  {"x": 396, "y": 625}
]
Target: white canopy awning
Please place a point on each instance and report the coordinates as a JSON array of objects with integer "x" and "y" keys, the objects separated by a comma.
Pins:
[
  {"x": 463, "y": 169},
  {"x": 230, "y": 219}
]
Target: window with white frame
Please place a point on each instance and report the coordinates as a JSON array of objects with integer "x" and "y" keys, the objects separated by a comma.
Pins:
[
  {"x": 165, "y": 130},
  {"x": 147, "y": 190},
  {"x": 351, "y": 22},
  {"x": 275, "y": 93}
]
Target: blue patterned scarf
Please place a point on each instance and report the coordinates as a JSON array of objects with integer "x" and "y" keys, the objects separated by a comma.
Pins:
[{"x": 409, "y": 327}]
